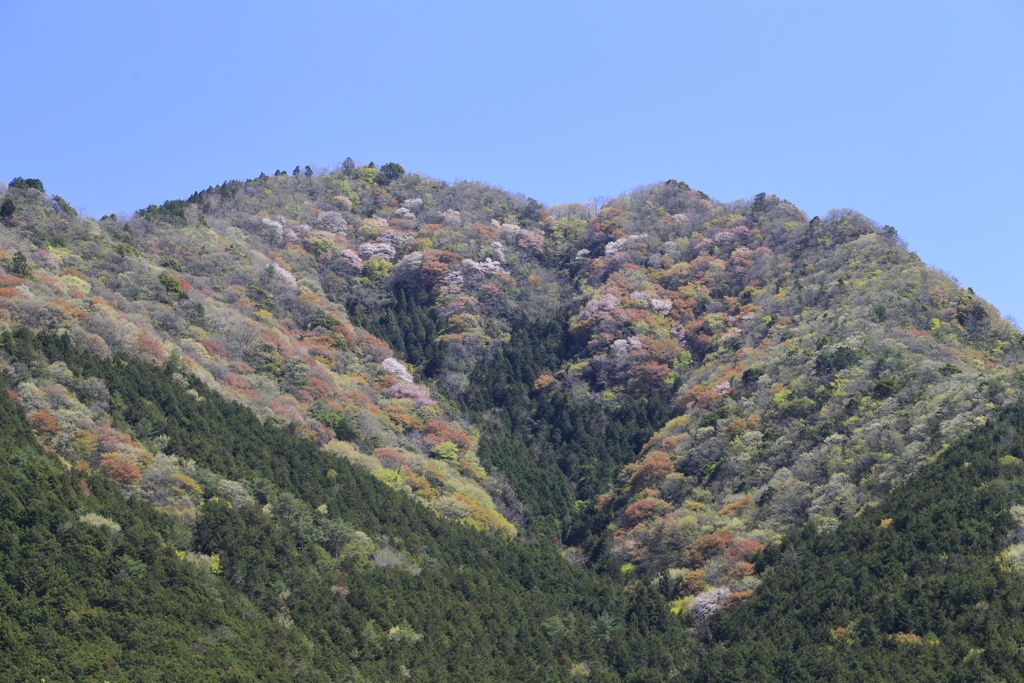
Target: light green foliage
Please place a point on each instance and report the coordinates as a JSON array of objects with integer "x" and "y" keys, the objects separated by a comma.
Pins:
[
  {"x": 319, "y": 246},
  {"x": 389, "y": 477},
  {"x": 403, "y": 634},
  {"x": 446, "y": 451},
  {"x": 808, "y": 368},
  {"x": 100, "y": 522},
  {"x": 377, "y": 270}
]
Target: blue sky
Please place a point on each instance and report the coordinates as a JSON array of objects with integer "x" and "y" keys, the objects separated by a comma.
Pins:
[{"x": 908, "y": 112}]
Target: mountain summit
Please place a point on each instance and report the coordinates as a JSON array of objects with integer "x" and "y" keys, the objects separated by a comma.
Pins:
[{"x": 391, "y": 415}]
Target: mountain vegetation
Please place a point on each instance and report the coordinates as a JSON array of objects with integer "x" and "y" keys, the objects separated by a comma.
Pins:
[{"x": 361, "y": 424}]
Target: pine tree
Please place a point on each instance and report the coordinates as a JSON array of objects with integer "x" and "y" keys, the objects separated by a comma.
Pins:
[{"x": 19, "y": 266}]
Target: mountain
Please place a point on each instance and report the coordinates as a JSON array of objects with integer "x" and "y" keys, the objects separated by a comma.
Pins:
[
  {"x": 921, "y": 587},
  {"x": 590, "y": 439}
]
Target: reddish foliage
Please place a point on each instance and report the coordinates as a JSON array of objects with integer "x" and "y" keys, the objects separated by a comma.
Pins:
[
  {"x": 651, "y": 374},
  {"x": 390, "y": 458},
  {"x": 433, "y": 273},
  {"x": 743, "y": 569},
  {"x": 699, "y": 398},
  {"x": 213, "y": 348},
  {"x": 440, "y": 431},
  {"x": 402, "y": 418},
  {"x": 652, "y": 442},
  {"x": 95, "y": 343},
  {"x": 606, "y": 222},
  {"x": 44, "y": 423},
  {"x": 318, "y": 340},
  {"x": 121, "y": 469},
  {"x": 347, "y": 332},
  {"x": 9, "y": 293},
  {"x": 736, "y": 598},
  {"x": 488, "y": 233},
  {"x": 628, "y": 316},
  {"x": 651, "y": 470},
  {"x": 543, "y": 382},
  {"x": 403, "y": 224},
  {"x": 740, "y": 425},
  {"x": 742, "y": 549},
  {"x": 65, "y": 308},
  {"x": 701, "y": 344},
  {"x": 466, "y": 468},
  {"x": 739, "y": 506},
  {"x": 638, "y": 511},
  {"x": 377, "y": 350},
  {"x": 693, "y": 582},
  {"x": 149, "y": 348},
  {"x": 673, "y": 441},
  {"x": 664, "y": 350},
  {"x": 108, "y": 439},
  {"x": 420, "y": 485},
  {"x": 320, "y": 389},
  {"x": 700, "y": 265},
  {"x": 442, "y": 256},
  {"x": 236, "y": 381},
  {"x": 704, "y": 548},
  {"x": 322, "y": 434}
]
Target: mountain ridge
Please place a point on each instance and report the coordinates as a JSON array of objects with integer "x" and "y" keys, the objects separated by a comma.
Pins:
[{"x": 664, "y": 385}]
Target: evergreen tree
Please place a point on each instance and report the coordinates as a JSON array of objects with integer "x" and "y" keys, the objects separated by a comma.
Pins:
[
  {"x": 19, "y": 265},
  {"x": 27, "y": 184},
  {"x": 388, "y": 173}
]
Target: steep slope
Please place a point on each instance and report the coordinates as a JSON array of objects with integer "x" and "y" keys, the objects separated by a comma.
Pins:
[
  {"x": 808, "y": 364},
  {"x": 346, "y": 576},
  {"x": 253, "y": 322},
  {"x": 90, "y": 591},
  {"x": 664, "y": 385},
  {"x": 828, "y": 364},
  {"x": 920, "y": 587}
]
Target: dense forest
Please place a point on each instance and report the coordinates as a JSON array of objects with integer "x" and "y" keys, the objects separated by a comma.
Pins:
[{"x": 361, "y": 424}]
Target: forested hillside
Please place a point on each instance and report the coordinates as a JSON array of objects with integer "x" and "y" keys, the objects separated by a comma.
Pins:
[
  {"x": 286, "y": 542},
  {"x": 921, "y": 587},
  {"x": 393, "y": 415}
]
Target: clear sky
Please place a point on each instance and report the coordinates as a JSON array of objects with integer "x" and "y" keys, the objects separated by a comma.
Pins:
[{"x": 910, "y": 112}]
